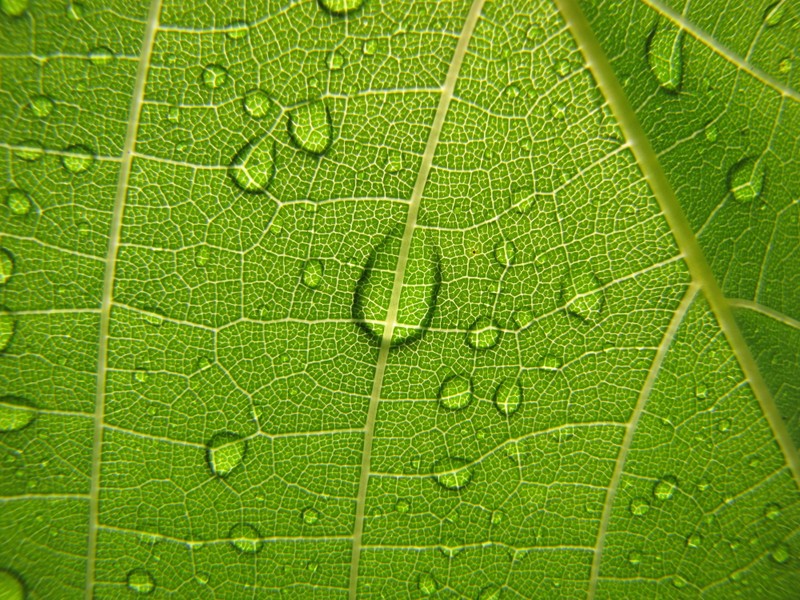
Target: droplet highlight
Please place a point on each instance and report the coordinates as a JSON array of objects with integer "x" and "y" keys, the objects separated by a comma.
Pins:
[
  {"x": 313, "y": 270},
  {"x": 665, "y": 56},
  {"x": 483, "y": 334},
  {"x": 455, "y": 392},
  {"x": 452, "y": 473},
  {"x": 746, "y": 179},
  {"x": 253, "y": 167},
  {"x": 774, "y": 14},
  {"x": 310, "y": 127},
  {"x": 15, "y": 413},
  {"x": 505, "y": 252},
  {"x": 402, "y": 506},
  {"x": 101, "y": 55},
  {"x": 29, "y": 151},
  {"x": 772, "y": 511},
  {"x": 508, "y": 396},
  {"x": 245, "y": 538},
  {"x": 141, "y": 582},
  {"x": 780, "y": 554},
  {"x": 225, "y": 451},
  {"x": 639, "y": 507},
  {"x": 491, "y": 592},
  {"x": 77, "y": 159}
]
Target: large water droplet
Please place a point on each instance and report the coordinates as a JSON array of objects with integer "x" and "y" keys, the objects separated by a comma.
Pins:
[
  {"x": 310, "y": 515},
  {"x": 11, "y": 586},
  {"x": 202, "y": 255},
  {"x": 77, "y": 159},
  {"x": 15, "y": 413},
  {"x": 522, "y": 318},
  {"x": 508, "y": 396},
  {"x": 665, "y": 56},
  {"x": 41, "y": 106},
  {"x": 483, "y": 334},
  {"x": 427, "y": 584},
  {"x": 29, "y": 151},
  {"x": 310, "y": 127},
  {"x": 581, "y": 293},
  {"x": 257, "y": 103},
  {"x": 225, "y": 452},
  {"x": 246, "y": 538},
  {"x": 313, "y": 270},
  {"x": 665, "y": 488},
  {"x": 6, "y": 265},
  {"x": 746, "y": 178},
  {"x": 101, "y": 55},
  {"x": 75, "y": 11},
  {"x": 141, "y": 582},
  {"x": 774, "y": 14},
  {"x": 418, "y": 297},
  {"x": 505, "y": 252},
  {"x": 214, "y": 76},
  {"x": 780, "y": 554},
  {"x": 253, "y": 167},
  {"x": 6, "y": 328},
  {"x": 639, "y": 507},
  {"x": 14, "y": 8},
  {"x": 491, "y": 592},
  {"x": 18, "y": 202},
  {"x": 340, "y": 7},
  {"x": 455, "y": 392},
  {"x": 452, "y": 473}
]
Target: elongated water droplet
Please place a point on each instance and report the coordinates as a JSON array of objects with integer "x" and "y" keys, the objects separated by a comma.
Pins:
[
  {"x": 15, "y": 413},
  {"x": 665, "y": 488},
  {"x": 774, "y": 14},
  {"x": 505, "y": 252},
  {"x": 418, "y": 297},
  {"x": 780, "y": 554},
  {"x": 581, "y": 293},
  {"x": 214, "y": 76},
  {"x": 313, "y": 270},
  {"x": 257, "y": 103},
  {"x": 772, "y": 511},
  {"x": 497, "y": 518},
  {"x": 253, "y": 167},
  {"x": 558, "y": 109},
  {"x": 141, "y": 582},
  {"x": 551, "y": 362},
  {"x": 508, "y": 396},
  {"x": 427, "y": 584},
  {"x": 18, "y": 202},
  {"x": 6, "y": 265},
  {"x": 665, "y": 56},
  {"x": 455, "y": 392},
  {"x": 246, "y": 538},
  {"x": 746, "y": 178},
  {"x": 724, "y": 425},
  {"x": 101, "y": 55},
  {"x": 75, "y": 11},
  {"x": 394, "y": 162},
  {"x": 340, "y": 7},
  {"x": 639, "y": 507},
  {"x": 310, "y": 516},
  {"x": 77, "y": 159},
  {"x": 29, "y": 151},
  {"x": 784, "y": 66},
  {"x": 452, "y": 473},
  {"x": 6, "y": 328},
  {"x": 483, "y": 334},
  {"x": 11, "y": 586},
  {"x": 225, "y": 452},
  {"x": 237, "y": 31},
  {"x": 310, "y": 127},
  {"x": 41, "y": 106}
]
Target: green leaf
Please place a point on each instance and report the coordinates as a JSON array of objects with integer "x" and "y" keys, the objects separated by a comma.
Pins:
[{"x": 391, "y": 299}]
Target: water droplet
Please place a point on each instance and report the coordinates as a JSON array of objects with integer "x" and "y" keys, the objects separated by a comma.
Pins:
[
  {"x": 141, "y": 582},
  {"x": 369, "y": 47},
  {"x": 6, "y": 266},
  {"x": 664, "y": 54},
  {"x": 522, "y": 318},
  {"x": 724, "y": 425},
  {"x": 14, "y": 8},
  {"x": 15, "y": 413},
  {"x": 313, "y": 271},
  {"x": 512, "y": 92},
  {"x": 75, "y": 11},
  {"x": 214, "y": 76},
  {"x": 491, "y": 592},
  {"x": 310, "y": 127},
  {"x": 246, "y": 538},
  {"x": 772, "y": 511},
  {"x": 312, "y": 566},
  {"x": 257, "y": 103},
  {"x": 253, "y": 167},
  {"x": 780, "y": 554},
  {"x": 174, "y": 114},
  {"x": 784, "y": 66},
  {"x": 237, "y": 31},
  {"x": 711, "y": 132},
  {"x": 394, "y": 162},
  {"x": 639, "y": 507},
  {"x": 225, "y": 451},
  {"x": 41, "y": 106},
  {"x": 581, "y": 293},
  {"x": 563, "y": 68},
  {"x": 202, "y": 578},
  {"x": 77, "y": 159},
  {"x": 29, "y": 151},
  {"x": 497, "y": 518},
  {"x": 665, "y": 488},
  {"x": 679, "y": 582},
  {"x": 558, "y": 109},
  {"x": 774, "y": 14},
  {"x": 455, "y": 392},
  {"x": 310, "y": 515},
  {"x": 6, "y": 328},
  {"x": 483, "y": 334},
  {"x": 335, "y": 60},
  {"x": 402, "y": 506},
  {"x": 694, "y": 541},
  {"x": 452, "y": 473},
  {"x": 635, "y": 558},
  {"x": 427, "y": 584},
  {"x": 550, "y": 362},
  {"x": 505, "y": 252},
  {"x": 701, "y": 391},
  {"x": 746, "y": 178},
  {"x": 202, "y": 255},
  {"x": 341, "y": 7},
  {"x": 534, "y": 33},
  {"x": 508, "y": 396},
  {"x": 18, "y": 202},
  {"x": 101, "y": 55}
]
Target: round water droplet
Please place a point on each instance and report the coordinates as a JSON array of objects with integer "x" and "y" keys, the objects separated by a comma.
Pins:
[
  {"x": 6, "y": 266},
  {"x": 780, "y": 554},
  {"x": 253, "y": 167},
  {"x": 427, "y": 584},
  {"x": 77, "y": 159},
  {"x": 257, "y": 103},
  {"x": 214, "y": 76},
  {"x": 701, "y": 391},
  {"x": 225, "y": 451},
  {"x": 784, "y": 66},
  {"x": 101, "y": 55},
  {"x": 497, "y": 518},
  {"x": 746, "y": 178},
  {"x": 455, "y": 392},
  {"x": 369, "y": 47},
  {"x": 202, "y": 255},
  {"x": 665, "y": 488},
  {"x": 15, "y": 413},
  {"x": 18, "y": 202},
  {"x": 6, "y": 328},
  {"x": 310, "y": 516},
  {"x": 75, "y": 11},
  {"x": 665, "y": 55},
  {"x": 523, "y": 318},
  {"x": 563, "y": 68},
  {"x": 635, "y": 558},
  {"x": 245, "y": 538},
  {"x": 141, "y": 582},
  {"x": 772, "y": 511},
  {"x": 534, "y": 33},
  {"x": 335, "y": 61},
  {"x": 313, "y": 270},
  {"x": 14, "y": 8},
  {"x": 394, "y": 162},
  {"x": 774, "y": 14},
  {"x": 711, "y": 132},
  {"x": 694, "y": 541},
  {"x": 679, "y": 582},
  {"x": 512, "y": 92},
  {"x": 310, "y": 127},
  {"x": 505, "y": 252},
  {"x": 724, "y": 425},
  {"x": 639, "y": 507},
  {"x": 452, "y": 473},
  {"x": 237, "y": 31},
  {"x": 202, "y": 578},
  {"x": 29, "y": 151},
  {"x": 402, "y": 506},
  {"x": 341, "y": 7},
  {"x": 41, "y": 106},
  {"x": 508, "y": 396},
  {"x": 483, "y": 334},
  {"x": 11, "y": 586},
  {"x": 491, "y": 592},
  {"x": 558, "y": 109},
  {"x": 581, "y": 293}
]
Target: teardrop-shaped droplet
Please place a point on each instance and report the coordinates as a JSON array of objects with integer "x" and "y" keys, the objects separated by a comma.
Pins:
[
  {"x": 694, "y": 541},
  {"x": 18, "y": 202},
  {"x": 41, "y": 106},
  {"x": 505, "y": 252},
  {"x": 341, "y": 7},
  {"x": 6, "y": 266},
  {"x": 665, "y": 488},
  {"x": 746, "y": 178},
  {"x": 141, "y": 582},
  {"x": 6, "y": 328},
  {"x": 418, "y": 297},
  {"x": 310, "y": 127},
  {"x": 483, "y": 334},
  {"x": 581, "y": 293},
  {"x": 11, "y": 586},
  {"x": 257, "y": 103},
  {"x": 665, "y": 56},
  {"x": 253, "y": 167},
  {"x": 427, "y": 584},
  {"x": 214, "y": 76},
  {"x": 310, "y": 516},
  {"x": 313, "y": 270},
  {"x": 679, "y": 582},
  {"x": 635, "y": 557},
  {"x": 508, "y": 396},
  {"x": 492, "y": 592},
  {"x": 522, "y": 318},
  {"x": 246, "y": 538},
  {"x": 225, "y": 452},
  {"x": 452, "y": 473},
  {"x": 202, "y": 255},
  {"x": 15, "y": 413},
  {"x": 455, "y": 392},
  {"x": 77, "y": 159}
]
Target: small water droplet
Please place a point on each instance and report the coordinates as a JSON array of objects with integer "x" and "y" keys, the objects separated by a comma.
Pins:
[
  {"x": 77, "y": 159},
  {"x": 694, "y": 541},
  {"x": 679, "y": 582},
  {"x": 452, "y": 473},
  {"x": 101, "y": 55},
  {"x": 225, "y": 451},
  {"x": 253, "y": 167},
  {"x": 711, "y": 132},
  {"x": 774, "y": 14},
  {"x": 581, "y": 293},
  {"x": 483, "y": 334},
  {"x": 724, "y": 425},
  {"x": 563, "y": 68},
  {"x": 491, "y": 592},
  {"x": 257, "y": 103},
  {"x": 369, "y": 47},
  {"x": 173, "y": 114},
  {"x": 558, "y": 109},
  {"x": 505, "y": 252},
  {"x": 335, "y": 60},
  {"x": 772, "y": 511},
  {"x": 14, "y": 8},
  {"x": 508, "y": 396},
  {"x": 6, "y": 328},
  {"x": 18, "y": 202},
  {"x": 534, "y": 33},
  {"x": 522, "y": 318},
  {"x": 497, "y": 518},
  {"x": 665, "y": 488},
  {"x": 639, "y": 507},
  {"x": 780, "y": 554},
  {"x": 75, "y": 11},
  {"x": 455, "y": 392},
  {"x": 29, "y": 151},
  {"x": 784, "y": 66},
  {"x": 15, "y": 413},
  {"x": 41, "y": 106},
  {"x": 214, "y": 76},
  {"x": 312, "y": 566},
  {"x": 701, "y": 390},
  {"x": 665, "y": 55},
  {"x": 746, "y": 178},
  {"x": 703, "y": 486},
  {"x": 141, "y": 582},
  {"x": 202, "y": 578},
  {"x": 550, "y": 362},
  {"x": 237, "y": 31},
  {"x": 341, "y": 7},
  {"x": 310, "y": 127},
  {"x": 394, "y": 162},
  {"x": 6, "y": 266},
  {"x": 310, "y": 516},
  {"x": 246, "y": 538},
  {"x": 202, "y": 255},
  {"x": 635, "y": 558},
  {"x": 427, "y": 584},
  {"x": 512, "y": 92},
  {"x": 313, "y": 270},
  {"x": 402, "y": 506}
]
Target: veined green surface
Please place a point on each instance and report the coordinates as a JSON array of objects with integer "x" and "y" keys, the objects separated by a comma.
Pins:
[{"x": 383, "y": 299}]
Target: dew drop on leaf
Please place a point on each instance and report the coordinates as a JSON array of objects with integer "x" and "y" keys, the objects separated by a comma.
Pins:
[
  {"x": 664, "y": 54},
  {"x": 402, "y": 506},
  {"x": 665, "y": 488},
  {"x": 724, "y": 425},
  {"x": 508, "y": 396},
  {"x": 635, "y": 558},
  {"x": 694, "y": 541},
  {"x": 214, "y": 76},
  {"x": 310, "y": 127},
  {"x": 41, "y": 106},
  {"x": 77, "y": 159},
  {"x": 746, "y": 179},
  {"x": 14, "y": 8},
  {"x": 774, "y": 14},
  {"x": 581, "y": 293},
  {"x": 522, "y": 318},
  {"x": 6, "y": 328},
  {"x": 225, "y": 451},
  {"x": 563, "y": 68},
  {"x": 427, "y": 584},
  {"x": 784, "y": 66},
  {"x": 75, "y": 11},
  {"x": 679, "y": 582},
  {"x": 505, "y": 252},
  {"x": 491, "y": 592},
  {"x": 202, "y": 255},
  {"x": 711, "y": 132},
  {"x": 18, "y": 202},
  {"x": 237, "y": 31},
  {"x": 246, "y": 538},
  {"x": 394, "y": 162},
  {"x": 6, "y": 266},
  {"x": 452, "y": 473},
  {"x": 550, "y": 362},
  {"x": 483, "y": 334},
  {"x": 558, "y": 109},
  {"x": 141, "y": 582},
  {"x": 455, "y": 392},
  {"x": 335, "y": 61},
  {"x": 15, "y": 413},
  {"x": 369, "y": 47},
  {"x": 701, "y": 390},
  {"x": 341, "y": 7},
  {"x": 310, "y": 515},
  {"x": 772, "y": 511},
  {"x": 257, "y": 103},
  {"x": 639, "y": 507},
  {"x": 101, "y": 55},
  {"x": 29, "y": 151},
  {"x": 253, "y": 167},
  {"x": 780, "y": 554},
  {"x": 313, "y": 270},
  {"x": 512, "y": 92},
  {"x": 497, "y": 518},
  {"x": 534, "y": 33}
]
